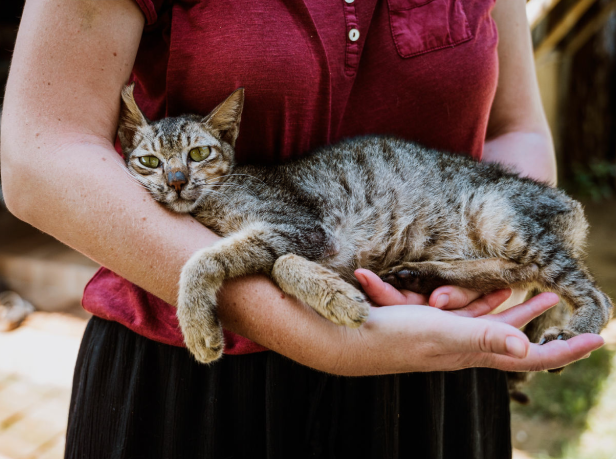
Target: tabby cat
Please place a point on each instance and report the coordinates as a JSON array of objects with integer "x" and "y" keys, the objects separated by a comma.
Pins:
[{"x": 419, "y": 217}]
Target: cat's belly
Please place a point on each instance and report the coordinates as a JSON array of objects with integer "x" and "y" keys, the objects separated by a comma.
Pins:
[
  {"x": 381, "y": 244},
  {"x": 380, "y": 251}
]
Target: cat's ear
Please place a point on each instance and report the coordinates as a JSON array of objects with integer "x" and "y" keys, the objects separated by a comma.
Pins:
[
  {"x": 226, "y": 117},
  {"x": 131, "y": 119}
]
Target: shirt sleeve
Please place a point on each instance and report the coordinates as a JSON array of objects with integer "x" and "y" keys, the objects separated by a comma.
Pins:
[{"x": 150, "y": 9}]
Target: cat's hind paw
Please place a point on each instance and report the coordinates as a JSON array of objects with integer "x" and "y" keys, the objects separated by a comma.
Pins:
[
  {"x": 419, "y": 277},
  {"x": 556, "y": 333}
]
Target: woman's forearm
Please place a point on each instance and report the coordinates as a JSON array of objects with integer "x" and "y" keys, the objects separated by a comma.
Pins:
[
  {"x": 530, "y": 153},
  {"x": 100, "y": 211},
  {"x": 80, "y": 192},
  {"x": 518, "y": 133}
]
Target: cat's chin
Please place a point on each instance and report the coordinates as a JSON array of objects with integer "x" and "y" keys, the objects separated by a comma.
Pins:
[{"x": 181, "y": 206}]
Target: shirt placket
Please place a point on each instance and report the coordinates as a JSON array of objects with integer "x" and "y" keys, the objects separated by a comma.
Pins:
[{"x": 352, "y": 53}]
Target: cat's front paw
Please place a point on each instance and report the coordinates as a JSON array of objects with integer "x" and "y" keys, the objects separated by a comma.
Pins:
[
  {"x": 202, "y": 333},
  {"x": 205, "y": 349},
  {"x": 198, "y": 320},
  {"x": 346, "y": 306},
  {"x": 322, "y": 289},
  {"x": 201, "y": 277}
]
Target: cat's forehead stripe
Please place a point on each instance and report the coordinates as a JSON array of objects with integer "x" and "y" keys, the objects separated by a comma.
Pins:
[{"x": 171, "y": 135}]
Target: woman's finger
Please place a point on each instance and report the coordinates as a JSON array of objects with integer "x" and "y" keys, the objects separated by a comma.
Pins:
[
  {"x": 520, "y": 315},
  {"x": 555, "y": 354},
  {"x": 384, "y": 294},
  {"x": 451, "y": 297},
  {"x": 485, "y": 304}
]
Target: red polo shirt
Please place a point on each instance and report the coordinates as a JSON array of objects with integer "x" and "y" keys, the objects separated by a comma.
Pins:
[{"x": 315, "y": 71}]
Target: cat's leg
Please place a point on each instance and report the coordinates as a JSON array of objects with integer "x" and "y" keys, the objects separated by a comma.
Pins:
[
  {"x": 591, "y": 308},
  {"x": 246, "y": 252},
  {"x": 485, "y": 275},
  {"x": 323, "y": 290}
]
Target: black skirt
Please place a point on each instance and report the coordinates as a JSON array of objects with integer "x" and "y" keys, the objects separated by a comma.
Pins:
[{"x": 135, "y": 398}]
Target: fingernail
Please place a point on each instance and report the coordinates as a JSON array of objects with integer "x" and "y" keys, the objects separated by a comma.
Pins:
[
  {"x": 515, "y": 347},
  {"x": 442, "y": 301},
  {"x": 361, "y": 279},
  {"x": 586, "y": 356}
]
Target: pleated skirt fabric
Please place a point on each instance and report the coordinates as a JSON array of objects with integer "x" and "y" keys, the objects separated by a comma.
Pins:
[{"x": 134, "y": 398}]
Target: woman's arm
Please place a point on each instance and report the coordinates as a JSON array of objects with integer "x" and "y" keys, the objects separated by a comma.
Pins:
[
  {"x": 61, "y": 174},
  {"x": 60, "y": 171},
  {"x": 518, "y": 133}
]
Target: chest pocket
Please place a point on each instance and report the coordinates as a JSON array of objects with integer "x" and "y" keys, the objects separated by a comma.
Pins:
[{"x": 421, "y": 26}]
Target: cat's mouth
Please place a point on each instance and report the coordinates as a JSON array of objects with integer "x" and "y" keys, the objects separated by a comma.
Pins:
[
  {"x": 182, "y": 202},
  {"x": 181, "y": 205}
]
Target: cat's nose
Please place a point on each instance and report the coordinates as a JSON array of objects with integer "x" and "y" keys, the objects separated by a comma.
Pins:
[{"x": 176, "y": 179}]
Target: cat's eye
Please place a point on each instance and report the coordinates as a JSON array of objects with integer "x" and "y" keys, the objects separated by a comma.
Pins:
[
  {"x": 149, "y": 161},
  {"x": 200, "y": 153}
]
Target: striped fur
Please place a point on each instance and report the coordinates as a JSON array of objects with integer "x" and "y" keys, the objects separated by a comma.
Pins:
[{"x": 419, "y": 217}]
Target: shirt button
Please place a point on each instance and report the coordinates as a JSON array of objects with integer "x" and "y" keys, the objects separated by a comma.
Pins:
[
  {"x": 349, "y": 1},
  {"x": 353, "y": 34}
]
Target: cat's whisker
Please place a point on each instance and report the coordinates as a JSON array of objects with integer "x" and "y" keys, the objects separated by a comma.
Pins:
[
  {"x": 236, "y": 185},
  {"x": 211, "y": 192},
  {"x": 242, "y": 175}
]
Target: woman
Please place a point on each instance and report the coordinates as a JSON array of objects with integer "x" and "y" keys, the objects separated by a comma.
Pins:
[{"x": 314, "y": 72}]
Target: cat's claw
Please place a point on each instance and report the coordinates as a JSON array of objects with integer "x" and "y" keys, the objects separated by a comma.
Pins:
[{"x": 556, "y": 334}]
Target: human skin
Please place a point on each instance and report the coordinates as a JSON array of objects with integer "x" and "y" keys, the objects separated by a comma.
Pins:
[{"x": 61, "y": 174}]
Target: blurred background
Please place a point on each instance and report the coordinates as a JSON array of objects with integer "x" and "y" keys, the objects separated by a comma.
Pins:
[{"x": 570, "y": 416}]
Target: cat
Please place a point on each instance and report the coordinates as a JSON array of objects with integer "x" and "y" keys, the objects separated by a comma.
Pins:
[{"x": 418, "y": 217}]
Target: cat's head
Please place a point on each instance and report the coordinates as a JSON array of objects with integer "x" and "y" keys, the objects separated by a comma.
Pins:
[{"x": 179, "y": 160}]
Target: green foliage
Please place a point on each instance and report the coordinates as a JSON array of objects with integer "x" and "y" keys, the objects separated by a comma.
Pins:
[
  {"x": 569, "y": 396},
  {"x": 596, "y": 180}
]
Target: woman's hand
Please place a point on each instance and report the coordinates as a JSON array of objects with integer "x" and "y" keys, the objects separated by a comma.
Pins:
[
  {"x": 383, "y": 294},
  {"x": 447, "y": 297},
  {"x": 420, "y": 338}
]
